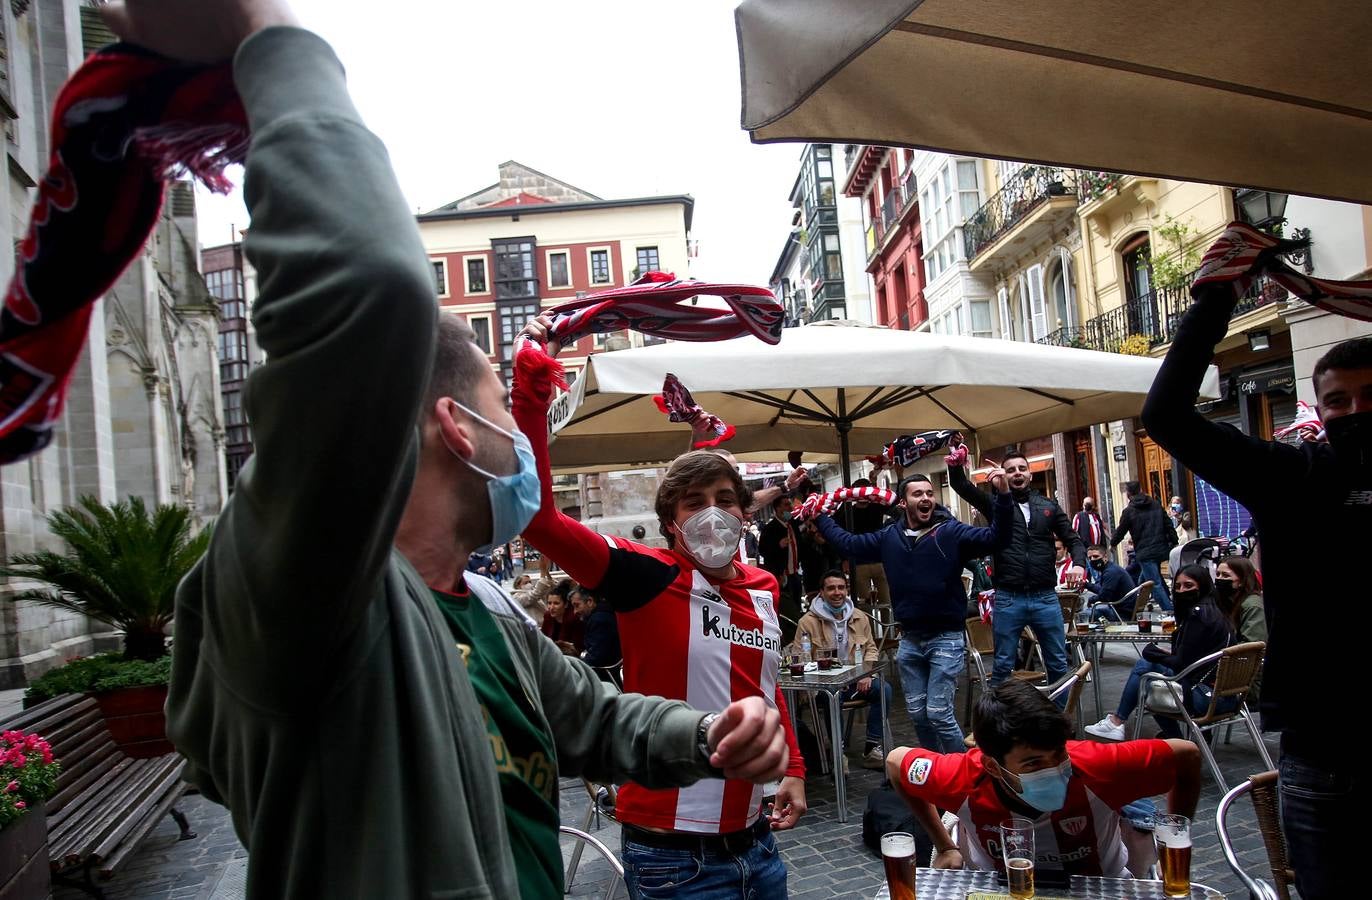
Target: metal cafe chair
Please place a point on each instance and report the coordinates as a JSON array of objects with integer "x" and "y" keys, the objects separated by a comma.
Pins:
[
  {"x": 1070, "y": 684},
  {"x": 585, "y": 839},
  {"x": 1235, "y": 668},
  {"x": 1262, "y": 790}
]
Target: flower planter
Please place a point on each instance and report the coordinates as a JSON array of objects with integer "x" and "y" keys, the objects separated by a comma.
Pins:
[
  {"x": 136, "y": 719},
  {"x": 24, "y": 870}
]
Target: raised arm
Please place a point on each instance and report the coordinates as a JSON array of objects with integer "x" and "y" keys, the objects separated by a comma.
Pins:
[
  {"x": 582, "y": 553},
  {"x": 978, "y": 541},
  {"x": 1237, "y": 464},
  {"x": 865, "y": 548},
  {"x": 346, "y": 315},
  {"x": 964, "y": 488}
]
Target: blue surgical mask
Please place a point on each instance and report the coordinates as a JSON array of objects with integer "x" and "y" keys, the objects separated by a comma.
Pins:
[
  {"x": 1046, "y": 790},
  {"x": 515, "y": 499}
]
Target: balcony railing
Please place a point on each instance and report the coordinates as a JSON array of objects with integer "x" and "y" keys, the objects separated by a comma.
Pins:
[
  {"x": 890, "y": 209},
  {"x": 1151, "y": 320},
  {"x": 1092, "y": 185},
  {"x": 1021, "y": 195}
]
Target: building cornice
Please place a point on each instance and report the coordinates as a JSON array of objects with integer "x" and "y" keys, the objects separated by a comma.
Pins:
[{"x": 686, "y": 201}]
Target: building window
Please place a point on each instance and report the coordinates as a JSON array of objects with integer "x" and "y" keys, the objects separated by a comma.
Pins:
[
  {"x": 512, "y": 320},
  {"x": 1138, "y": 278},
  {"x": 481, "y": 327},
  {"x": 951, "y": 197},
  {"x": 559, "y": 270},
  {"x": 515, "y": 278},
  {"x": 600, "y": 266},
  {"x": 647, "y": 260},
  {"x": 476, "y": 275},
  {"x": 440, "y": 276},
  {"x": 981, "y": 318},
  {"x": 233, "y": 346}
]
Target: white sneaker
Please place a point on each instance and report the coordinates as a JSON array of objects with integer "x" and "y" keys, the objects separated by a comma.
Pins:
[
  {"x": 873, "y": 759},
  {"x": 1107, "y": 730}
]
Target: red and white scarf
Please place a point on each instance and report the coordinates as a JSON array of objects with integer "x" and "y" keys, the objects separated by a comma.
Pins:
[
  {"x": 676, "y": 401},
  {"x": 1242, "y": 253},
  {"x": 1306, "y": 417},
  {"x": 654, "y": 305},
  {"x": 124, "y": 122},
  {"x": 824, "y": 504},
  {"x": 909, "y": 449}
]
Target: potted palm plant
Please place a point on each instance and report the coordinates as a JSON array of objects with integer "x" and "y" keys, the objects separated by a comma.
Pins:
[{"x": 122, "y": 565}]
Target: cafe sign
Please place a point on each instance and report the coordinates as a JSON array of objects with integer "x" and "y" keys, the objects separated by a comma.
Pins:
[{"x": 1283, "y": 381}]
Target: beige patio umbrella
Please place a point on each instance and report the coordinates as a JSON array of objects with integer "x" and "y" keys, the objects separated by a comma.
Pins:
[
  {"x": 835, "y": 392},
  {"x": 1254, "y": 93}
]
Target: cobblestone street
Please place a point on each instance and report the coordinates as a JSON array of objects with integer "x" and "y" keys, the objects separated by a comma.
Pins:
[{"x": 825, "y": 859}]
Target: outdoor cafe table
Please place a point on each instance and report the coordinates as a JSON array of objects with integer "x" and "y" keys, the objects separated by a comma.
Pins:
[
  {"x": 1097, "y": 638},
  {"x": 955, "y": 884},
  {"x": 832, "y": 683}
]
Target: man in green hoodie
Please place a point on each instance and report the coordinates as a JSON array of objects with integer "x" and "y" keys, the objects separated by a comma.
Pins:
[{"x": 377, "y": 723}]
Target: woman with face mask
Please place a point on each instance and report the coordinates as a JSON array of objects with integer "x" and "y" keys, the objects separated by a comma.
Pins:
[{"x": 1201, "y": 630}]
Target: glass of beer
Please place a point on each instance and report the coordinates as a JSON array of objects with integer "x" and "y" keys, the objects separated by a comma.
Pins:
[
  {"x": 1172, "y": 834},
  {"x": 1017, "y": 846},
  {"x": 796, "y": 663},
  {"x": 1145, "y": 622},
  {"x": 1169, "y": 624},
  {"x": 1084, "y": 621},
  {"x": 898, "y": 855}
]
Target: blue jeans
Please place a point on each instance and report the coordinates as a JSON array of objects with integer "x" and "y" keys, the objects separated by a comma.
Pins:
[
  {"x": 1042, "y": 613},
  {"x": 1319, "y": 800},
  {"x": 697, "y": 874},
  {"x": 929, "y": 669},
  {"x": 1149, "y": 571}
]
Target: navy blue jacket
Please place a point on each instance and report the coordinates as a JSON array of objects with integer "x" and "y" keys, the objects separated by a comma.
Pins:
[
  {"x": 925, "y": 576},
  {"x": 1109, "y": 586},
  {"x": 602, "y": 637}
]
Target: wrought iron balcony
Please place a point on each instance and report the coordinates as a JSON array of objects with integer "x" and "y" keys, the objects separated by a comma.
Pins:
[
  {"x": 1092, "y": 185},
  {"x": 1026, "y": 190},
  {"x": 1151, "y": 320}
]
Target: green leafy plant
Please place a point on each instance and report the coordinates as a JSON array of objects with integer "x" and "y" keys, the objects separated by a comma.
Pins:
[
  {"x": 28, "y": 774},
  {"x": 122, "y": 567},
  {"x": 1171, "y": 268},
  {"x": 97, "y": 674}
]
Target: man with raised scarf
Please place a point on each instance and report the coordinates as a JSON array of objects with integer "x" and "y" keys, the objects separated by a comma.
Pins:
[{"x": 696, "y": 624}]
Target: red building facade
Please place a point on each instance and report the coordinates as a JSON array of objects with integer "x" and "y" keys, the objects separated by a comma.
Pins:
[{"x": 883, "y": 179}]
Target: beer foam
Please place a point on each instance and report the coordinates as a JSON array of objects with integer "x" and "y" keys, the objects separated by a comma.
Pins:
[
  {"x": 1172, "y": 839},
  {"x": 897, "y": 845}
]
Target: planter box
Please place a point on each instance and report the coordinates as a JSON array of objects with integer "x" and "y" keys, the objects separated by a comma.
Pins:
[
  {"x": 136, "y": 720},
  {"x": 24, "y": 870}
]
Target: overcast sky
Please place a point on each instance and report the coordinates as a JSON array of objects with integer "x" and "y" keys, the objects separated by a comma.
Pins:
[{"x": 622, "y": 99}]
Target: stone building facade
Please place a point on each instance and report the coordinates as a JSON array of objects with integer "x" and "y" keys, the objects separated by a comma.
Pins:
[{"x": 142, "y": 416}]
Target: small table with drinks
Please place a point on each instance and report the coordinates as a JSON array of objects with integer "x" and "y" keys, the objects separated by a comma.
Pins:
[
  {"x": 824, "y": 676},
  {"x": 1171, "y": 834},
  {"x": 1094, "y": 636}
]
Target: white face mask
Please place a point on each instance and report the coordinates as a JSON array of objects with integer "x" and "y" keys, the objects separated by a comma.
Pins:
[{"x": 711, "y": 536}]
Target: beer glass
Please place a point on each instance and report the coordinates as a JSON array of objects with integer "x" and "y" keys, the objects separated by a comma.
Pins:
[
  {"x": 1169, "y": 624},
  {"x": 898, "y": 856},
  {"x": 827, "y": 659},
  {"x": 1172, "y": 834},
  {"x": 1017, "y": 847},
  {"x": 1084, "y": 621},
  {"x": 796, "y": 664}
]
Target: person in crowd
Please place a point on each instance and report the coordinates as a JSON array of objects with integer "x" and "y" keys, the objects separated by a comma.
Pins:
[
  {"x": 1186, "y": 528},
  {"x": 1323, "y": 785},
  {"x": 560, "y": 622},
  {"x": 1153, "y": 535},
  {"x": 1088, "y": 524},
  {"x": 1062, "y": 562},
  {"x": 601, "y": 646},
  {"x": 1174, "y": 510},
  {"x": 1238, "y": 594},
  {"x": 833, "y": 623},
  {"x": 780, "y": 549},
  {"x": 924, "y": 554},
  {"x": 532, "y": 594},
  {"x": 1025, "y": 765},
  {"x": 1201, "y": 630},
  {"x": 750, "y": 539},
  {"x": 497, "y": 572},
  {"x": 817, "y": 556},
  {"x": 1025, "y": 572},
  {"x": 341, "y": 765},
  {"x": 479, "y": 563},
  {"x": 1131, "y": 563},
  {"x": 693, "y": 621},
  {"x": 1108, "y": 586},
  {"x": 869, "y": 579}
]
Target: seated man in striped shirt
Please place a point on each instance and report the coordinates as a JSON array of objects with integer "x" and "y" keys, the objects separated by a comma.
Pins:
[{"x": 695, "y": 624}]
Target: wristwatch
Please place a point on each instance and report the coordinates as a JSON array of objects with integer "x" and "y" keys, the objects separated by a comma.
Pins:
[{"x": 703, "y": 735}]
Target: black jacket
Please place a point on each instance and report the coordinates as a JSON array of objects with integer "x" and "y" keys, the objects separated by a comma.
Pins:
[
  {"x": 774, "y": 556},
  {"x": 1200, "y": 633},
  {"x": 602, "y": 637},
  {"x": 1109, "y": 586},
  {"x": 1151, "y": 529},
  {"x": 1028, "y": 563},
  {"x": 1329, "y": 519}
]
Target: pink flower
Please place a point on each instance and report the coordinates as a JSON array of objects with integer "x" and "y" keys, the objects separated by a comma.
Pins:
[
  {"x": 12, "y": 787},
  {"x": 20, "y": 804},
  {"x": 20, "y": 760},
  {"x": 47, "y": 756}
]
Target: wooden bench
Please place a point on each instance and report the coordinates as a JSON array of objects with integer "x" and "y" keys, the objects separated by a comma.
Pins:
[{"x": 106, "y": 802}]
